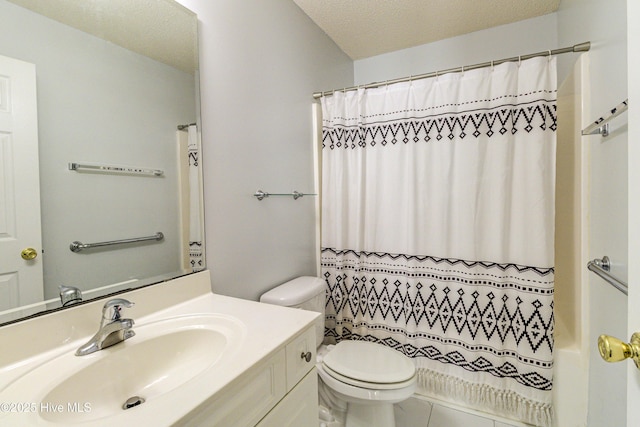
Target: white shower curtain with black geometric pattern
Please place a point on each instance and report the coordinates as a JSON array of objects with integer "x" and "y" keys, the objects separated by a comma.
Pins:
[
  {"x": 438, "y": 230},
  {"x": 196, "y": 243}
]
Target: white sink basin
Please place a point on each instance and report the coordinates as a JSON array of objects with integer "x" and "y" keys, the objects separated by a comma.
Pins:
[{"x": 163, "y": 356}]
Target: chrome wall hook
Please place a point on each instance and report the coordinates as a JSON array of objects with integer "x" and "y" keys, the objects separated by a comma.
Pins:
[{"x": 260, "y": 194}]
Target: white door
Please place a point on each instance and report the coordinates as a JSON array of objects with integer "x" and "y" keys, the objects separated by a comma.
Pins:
[
  {"x": 633, "y": 44},
  {"x": 21, "y": 279}
]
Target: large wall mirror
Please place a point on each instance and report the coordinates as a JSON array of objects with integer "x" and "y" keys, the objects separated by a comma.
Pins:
[{"x": 106, "y": 85}]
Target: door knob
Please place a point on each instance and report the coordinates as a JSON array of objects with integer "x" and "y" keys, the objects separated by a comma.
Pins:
[
  {"x": 614, "y": 350},
  {"x": 29, "y": 254}
]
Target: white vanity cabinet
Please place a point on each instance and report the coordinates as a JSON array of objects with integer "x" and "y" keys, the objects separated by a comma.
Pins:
[
  {"x": 233, "y": 363},
  {"x": 281, "y": 390},
  {"x": 299, "y": 408}
]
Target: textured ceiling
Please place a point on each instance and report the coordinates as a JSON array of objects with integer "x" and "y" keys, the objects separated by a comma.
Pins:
[
  {"x": 364, "y": 28},
  {"x": 163, "y": 30}
]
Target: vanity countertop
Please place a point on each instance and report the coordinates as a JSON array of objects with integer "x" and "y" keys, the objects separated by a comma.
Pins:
[{"x": 259, "y": 331}]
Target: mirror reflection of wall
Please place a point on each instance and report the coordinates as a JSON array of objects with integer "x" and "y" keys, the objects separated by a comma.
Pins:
[{"x": 101, "y": 103}]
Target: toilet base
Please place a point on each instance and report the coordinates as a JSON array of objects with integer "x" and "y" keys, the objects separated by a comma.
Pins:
[{"x": 367, "y": 415}]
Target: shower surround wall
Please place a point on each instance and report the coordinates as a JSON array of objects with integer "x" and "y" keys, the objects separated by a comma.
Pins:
[{"x": 605, "y": 24}]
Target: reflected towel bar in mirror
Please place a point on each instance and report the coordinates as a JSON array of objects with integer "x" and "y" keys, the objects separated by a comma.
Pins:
[
  {"x": 113, "y": 169},
  {"x": 601, "y": 267},
  {"x": 295, "y": 194},
  {"x": 78, "y": 246},
  {"x": 185, "y": 127}
]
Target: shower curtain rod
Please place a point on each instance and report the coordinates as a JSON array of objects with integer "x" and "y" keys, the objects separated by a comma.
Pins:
[{"x": 581, "y": 47}]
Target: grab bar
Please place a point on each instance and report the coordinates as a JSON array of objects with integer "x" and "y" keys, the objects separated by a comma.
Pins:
[
  {"x": 78, "y": 246},
  {"x": 601, "y": 267},
  {"x": 601, "y": 126},
  {"x": 295, "y": 194}
]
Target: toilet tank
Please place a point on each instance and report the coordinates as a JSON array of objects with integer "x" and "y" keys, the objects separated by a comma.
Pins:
[{"x": 306, "y": 292}]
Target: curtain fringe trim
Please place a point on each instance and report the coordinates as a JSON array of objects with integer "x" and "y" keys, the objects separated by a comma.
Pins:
[{"x": 483, "y": 396}]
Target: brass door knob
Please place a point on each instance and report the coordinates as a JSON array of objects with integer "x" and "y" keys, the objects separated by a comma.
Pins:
[
  {"x": 614, "y": 350},
  {"x": 29, "y": 254}
]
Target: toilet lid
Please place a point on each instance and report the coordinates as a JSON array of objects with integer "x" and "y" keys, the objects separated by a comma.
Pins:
[
  {"x": 368, "y": 385},
  {"x": 369, "y": 362}
]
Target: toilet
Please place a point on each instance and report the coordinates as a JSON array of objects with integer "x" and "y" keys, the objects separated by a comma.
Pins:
[{"x": 368, "y": 377}]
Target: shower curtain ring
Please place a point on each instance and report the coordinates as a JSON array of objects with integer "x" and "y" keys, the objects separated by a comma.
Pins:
[
  {"x": 519, "y": 60},
  {"x": 549, "y": 56},
  {"x": 491, "y": 65}
]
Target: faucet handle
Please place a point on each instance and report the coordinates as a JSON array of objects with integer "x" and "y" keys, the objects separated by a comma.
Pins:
[{"x": 115, "y": 305}]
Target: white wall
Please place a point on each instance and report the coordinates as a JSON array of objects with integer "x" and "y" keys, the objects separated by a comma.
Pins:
[
  {"x": 101, "y": 103},
  {"x": 500, "y": 42},
  {"x": 603, "y": 22},
  {"x": 260, "y": 62}
]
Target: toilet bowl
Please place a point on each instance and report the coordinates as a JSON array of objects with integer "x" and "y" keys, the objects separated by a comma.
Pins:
[
  {"x": 367, "y": 376},
  {"x": 370, "y": 378}
]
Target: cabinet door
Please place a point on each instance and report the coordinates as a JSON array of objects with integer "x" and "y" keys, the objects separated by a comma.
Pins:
[
  {"x": 246, "y": 400},
  {"x": 301, "y": 357},
  {"x": 298, "y": 408}
]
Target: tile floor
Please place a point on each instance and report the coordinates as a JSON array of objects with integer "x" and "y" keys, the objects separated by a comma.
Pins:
[
  {"x": 416, "y": 412},
  {"x": 420, "y": 412}
]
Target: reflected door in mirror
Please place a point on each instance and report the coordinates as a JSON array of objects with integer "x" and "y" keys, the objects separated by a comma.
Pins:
[{"x": 20, "y": 238}]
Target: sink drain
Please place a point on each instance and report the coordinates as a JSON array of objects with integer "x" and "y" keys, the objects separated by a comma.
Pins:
[{"x": 133, "y": 401}]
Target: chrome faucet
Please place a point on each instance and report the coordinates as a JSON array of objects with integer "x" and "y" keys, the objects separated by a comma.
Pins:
[
  {"x": 113, "y": 328},
  {"x": 69, "y": 295}
]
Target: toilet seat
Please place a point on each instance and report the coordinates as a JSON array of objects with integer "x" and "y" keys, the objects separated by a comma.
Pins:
[
  {"x": 369, "y": 365},
  {"x": 365, "y": 384},
  {"x": 366, "y": 395}
]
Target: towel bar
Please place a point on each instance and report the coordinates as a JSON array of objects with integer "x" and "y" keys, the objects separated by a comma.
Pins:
[
  {"x": 295, "y": 194},
  {"x": 601, "y": 126},
  {"x": 113, "y": 169},
  {"x": 601, "y": 267}
]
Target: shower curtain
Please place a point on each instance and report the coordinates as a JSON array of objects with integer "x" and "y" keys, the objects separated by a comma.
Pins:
[
  {"x": 437, "y": 230},
  {"x": 196, "y": 245}
]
